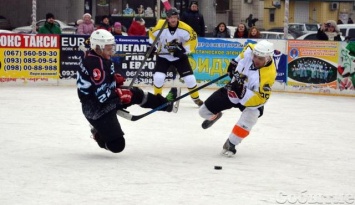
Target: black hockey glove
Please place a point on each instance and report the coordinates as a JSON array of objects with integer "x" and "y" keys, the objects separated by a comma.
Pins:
[
  {"x": 237, "y": 88},
  {"x": 151, "y": 54},
  {"x": 179, "y": 51},
  {"x": 231, "y": 68}
]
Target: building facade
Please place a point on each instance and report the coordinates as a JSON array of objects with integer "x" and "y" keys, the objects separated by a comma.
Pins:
[
  {"x": 270, "y": 13},
  {"x": 318, "y": 11},
  {"x": 19, "y": 12}
]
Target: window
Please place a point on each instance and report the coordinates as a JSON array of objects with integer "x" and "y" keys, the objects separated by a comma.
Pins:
[
  {"x": 124, "y": 11},
  {"x": 343, "y": 31},
  {"x": 272, "y": 15},
  {"x": 351, "y": 32},
  {"x": 312, "y": 27},
  {"x": 126, "y": 8},
  {"x": 273, "y": 36},
  {"x": 222, "y": 6}
]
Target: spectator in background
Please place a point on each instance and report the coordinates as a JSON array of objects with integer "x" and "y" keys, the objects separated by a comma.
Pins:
[
  {"x": 350, "y": 21},
  {"x": 221, "y": 31},
  {"x": 251, "y": 21},
  {"x": 117, "y": 30},
  {"x": 115, "y": 12},
  {"x": 329, "y": 31},
  {"x": 241, "y": 31},
  {"x": 194, "y": 19},
  {"x": 254, "y": 33},
  {"x": 128, "y": 11},
  {"x": 339, "y": 21},
  {"x": 137, "y": 27},
  {"x": 86, "y": 25},
  {"x": 105, "y": 24},
  {"x": 49, "y": 26},
  {"x": 149, "y": 12},
  {"x": 140, "y": 10}
]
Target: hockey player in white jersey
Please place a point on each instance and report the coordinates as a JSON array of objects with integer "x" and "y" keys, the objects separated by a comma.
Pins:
[
  {"x": 180, "y": 40},
  {"x": 253, "y": 73}
]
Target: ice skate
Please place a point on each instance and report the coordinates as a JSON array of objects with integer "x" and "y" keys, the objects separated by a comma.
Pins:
[
  {"x": 177, "y": 103},
  {"x": 198, "y": 102},
  {"x": 93, "y": 132},
  {"x": 96, "y": 137},
  {"x": 228, "y": 149},
  {"x": 208, "y": 123},
  {"x": 170, "y": 98}
]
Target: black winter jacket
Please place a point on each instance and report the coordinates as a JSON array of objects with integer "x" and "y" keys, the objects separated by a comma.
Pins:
[
  {"x": 321, "y": 35},
  {"x": 195, "y": 20}
]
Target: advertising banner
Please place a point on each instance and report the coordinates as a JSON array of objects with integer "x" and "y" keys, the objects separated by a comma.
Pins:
[
  {"x": 213, "y": 55},
  {"x": 210, "y": 60},
  {"x": 346, "y": 67},
  {"x": 59, "y": 57},
  {"x": 312, "y": 64},
  {"x": 29, "y": 57},
  {"x": 72, "y": 52},
  {"x": 130, "y": 53}
]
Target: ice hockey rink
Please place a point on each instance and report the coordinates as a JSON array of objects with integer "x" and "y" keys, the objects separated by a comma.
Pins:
[{"x": 302, "y": 151}]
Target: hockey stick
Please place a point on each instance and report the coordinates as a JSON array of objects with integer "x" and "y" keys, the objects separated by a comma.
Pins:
[
  {"x": 148, "y": 54},
  {"x": 167, "y": 8},
  {"x": 130, "y": 117},
  {"x": 166, "y": 4}
]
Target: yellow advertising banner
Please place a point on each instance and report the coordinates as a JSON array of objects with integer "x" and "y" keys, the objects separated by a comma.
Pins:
[{"x": 29, "y": 56}]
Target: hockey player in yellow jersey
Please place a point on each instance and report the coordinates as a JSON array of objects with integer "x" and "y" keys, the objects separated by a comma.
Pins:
[
  {"x": 253, "y": 73},
  {"x": 178, "y": 39}
]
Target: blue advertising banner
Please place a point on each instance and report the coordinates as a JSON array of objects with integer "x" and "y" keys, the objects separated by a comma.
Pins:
[{"x": 213, "y": 55}]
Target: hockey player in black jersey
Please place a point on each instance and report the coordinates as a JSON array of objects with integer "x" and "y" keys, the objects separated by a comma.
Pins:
[{"x": 101, "y": 93}]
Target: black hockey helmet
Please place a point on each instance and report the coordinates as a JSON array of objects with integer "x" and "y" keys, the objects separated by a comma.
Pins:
[
  {"x": 193, "y": 2},
  {"x": 171, "y": 12}
]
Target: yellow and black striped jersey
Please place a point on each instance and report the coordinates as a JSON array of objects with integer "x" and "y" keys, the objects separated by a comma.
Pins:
[{"x": 258, "y": 82}]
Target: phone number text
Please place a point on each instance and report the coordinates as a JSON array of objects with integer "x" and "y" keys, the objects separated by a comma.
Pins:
[
  {"x": 30, "y": 67},
  {"x": 30, "y": 53}
]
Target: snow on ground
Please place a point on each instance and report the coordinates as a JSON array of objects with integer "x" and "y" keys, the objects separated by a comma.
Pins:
[{"x": 300, "y": 152}]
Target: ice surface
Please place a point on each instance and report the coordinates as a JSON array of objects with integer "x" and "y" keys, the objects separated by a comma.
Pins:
[{"x": 302, "y": 149}]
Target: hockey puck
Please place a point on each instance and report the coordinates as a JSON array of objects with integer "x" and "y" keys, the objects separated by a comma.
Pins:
[{"x": 218, "y": 167}]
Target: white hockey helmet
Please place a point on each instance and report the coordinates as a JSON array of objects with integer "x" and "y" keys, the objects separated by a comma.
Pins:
[
  {"x": 101, "y": 37},
  {"x": 264, "y": 48}
]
